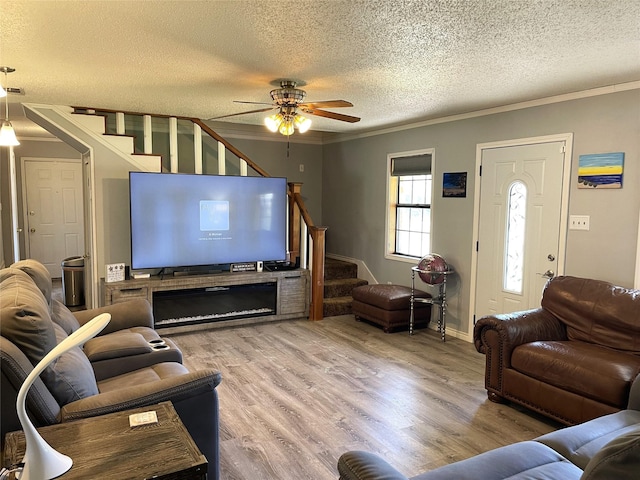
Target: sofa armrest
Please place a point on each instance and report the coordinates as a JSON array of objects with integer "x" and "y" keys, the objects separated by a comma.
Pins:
[
  {"x": 510, "y": 330},
  {"x": 357, "y": 465},
  {"x": 169, "y": 389},
  {"x": 132, "y": 313},
  {"x": 497, "y": 335}
]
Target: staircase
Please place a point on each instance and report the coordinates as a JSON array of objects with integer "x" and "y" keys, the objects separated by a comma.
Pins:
[
  {"x": 114, "y": 141},
  {"x": 340, "y": 278}
]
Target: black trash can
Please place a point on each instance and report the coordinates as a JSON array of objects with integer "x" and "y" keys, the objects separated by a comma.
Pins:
[{"x": 73, "y": 281}]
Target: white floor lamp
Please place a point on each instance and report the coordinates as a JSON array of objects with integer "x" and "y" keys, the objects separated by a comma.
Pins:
[{"x": 41, "y": 461}]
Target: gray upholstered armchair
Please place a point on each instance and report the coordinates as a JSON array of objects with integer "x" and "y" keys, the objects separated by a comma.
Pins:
[{"x": 122, "y": 368}]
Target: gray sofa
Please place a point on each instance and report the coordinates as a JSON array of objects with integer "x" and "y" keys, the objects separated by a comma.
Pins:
[
  {"x": 126, "y": 366},
  {"x": 605, "y": 448}
]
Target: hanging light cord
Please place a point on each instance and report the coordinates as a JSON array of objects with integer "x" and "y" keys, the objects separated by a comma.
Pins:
[{"x": 6, "y": 100}]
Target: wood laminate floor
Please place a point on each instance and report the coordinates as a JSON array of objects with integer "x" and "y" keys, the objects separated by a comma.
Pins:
[{"x": 295, "y": 395}]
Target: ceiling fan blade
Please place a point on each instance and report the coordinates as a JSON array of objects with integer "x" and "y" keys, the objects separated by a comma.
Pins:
[
  {"x": 332, "y": 115},
  {"x": 242, "y": 113},
  {"x": 327, "y": 104},
  {"x": 253, "y": 103}
]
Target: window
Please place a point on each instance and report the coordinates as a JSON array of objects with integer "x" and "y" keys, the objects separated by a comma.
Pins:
[
  {"x": 409, "y": 205},
  {"x": 514, "y": 253}
]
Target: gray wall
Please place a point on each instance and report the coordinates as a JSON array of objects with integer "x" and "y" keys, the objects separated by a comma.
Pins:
[
  {"x": 272, "y": 157},
  {"x": 354, "y": 183}
]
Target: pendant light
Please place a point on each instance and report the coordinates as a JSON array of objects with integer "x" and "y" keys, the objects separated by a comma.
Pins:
[{"x": 7, "y": 133}]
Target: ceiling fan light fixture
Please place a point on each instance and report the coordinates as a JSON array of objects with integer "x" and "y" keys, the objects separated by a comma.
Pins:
[
  {"x": 272, "y": 122},
  {"x": 286, "y": 127},
  {"x": 302, "y": 123}
]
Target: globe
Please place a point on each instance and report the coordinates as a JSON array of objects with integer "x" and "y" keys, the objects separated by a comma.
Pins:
[{"x": 431, "y": 264}]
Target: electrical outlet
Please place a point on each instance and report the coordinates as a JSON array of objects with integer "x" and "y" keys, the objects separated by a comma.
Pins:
[{"x": 579, "y": 222}]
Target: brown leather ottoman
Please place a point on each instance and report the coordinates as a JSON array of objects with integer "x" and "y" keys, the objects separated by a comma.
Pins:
[{"x": 390, "y": 307}]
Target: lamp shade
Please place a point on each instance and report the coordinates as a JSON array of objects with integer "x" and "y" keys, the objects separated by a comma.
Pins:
[
  {"x": 273, "y": 122},
  {"x": 286, "y": 127},
  {"x": 302, "y": 123},
  {"x": 41, "y": 461},
  {"x": 8, "y": 135}
]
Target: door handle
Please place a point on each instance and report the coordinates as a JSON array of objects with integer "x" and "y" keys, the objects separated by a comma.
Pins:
[{"x": 548, "y": 274}]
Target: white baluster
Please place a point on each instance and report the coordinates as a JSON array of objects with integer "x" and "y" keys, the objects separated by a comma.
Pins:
[{"x": 173, "y": 144}]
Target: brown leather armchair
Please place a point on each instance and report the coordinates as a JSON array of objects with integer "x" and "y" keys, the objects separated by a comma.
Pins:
[{"x": 573, "y": 359}]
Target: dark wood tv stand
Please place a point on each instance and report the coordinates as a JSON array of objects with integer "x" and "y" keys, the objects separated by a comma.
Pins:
[{"x": 290, "y": 290}]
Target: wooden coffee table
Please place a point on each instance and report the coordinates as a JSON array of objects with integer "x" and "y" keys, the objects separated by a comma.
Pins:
[{"x": 106, "y": 447}]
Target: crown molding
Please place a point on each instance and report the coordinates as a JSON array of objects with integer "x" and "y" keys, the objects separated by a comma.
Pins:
[{"x": 594, "y": 92}]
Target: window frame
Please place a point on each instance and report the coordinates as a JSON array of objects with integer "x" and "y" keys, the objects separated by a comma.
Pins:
[{"x": 393, "y": 183}]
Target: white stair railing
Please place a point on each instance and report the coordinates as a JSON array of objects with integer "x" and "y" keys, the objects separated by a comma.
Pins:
[{"x": 306, "y": 240}]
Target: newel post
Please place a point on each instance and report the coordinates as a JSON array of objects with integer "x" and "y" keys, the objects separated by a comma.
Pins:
[
  {"x": 317, "y": 273},
  {"x": 294, "y": 220}
]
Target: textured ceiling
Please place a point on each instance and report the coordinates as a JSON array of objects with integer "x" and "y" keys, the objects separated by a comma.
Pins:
[{"x": 396, "y": 61}]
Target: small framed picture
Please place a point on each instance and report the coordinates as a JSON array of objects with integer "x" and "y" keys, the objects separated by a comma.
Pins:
[
  {"x": 454, "y": 184},
  {"x": 114, "y": 272}
]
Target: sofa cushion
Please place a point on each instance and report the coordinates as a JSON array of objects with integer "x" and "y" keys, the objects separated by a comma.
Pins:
[
  {"x": 595, "y": 311},
  {"x": 580, "y": 443},
  {"x": 61, "y": 315},
  {"x": 619, "y": 459},
  {"x": 38, "y": 273},
  {"x": 523, "y": 460},
  {"x": 25, "y": 319},
  {"x": 70, "y": 377},
  {"x": 143, "y": 376},
  {"x": 566, "y": 364}
]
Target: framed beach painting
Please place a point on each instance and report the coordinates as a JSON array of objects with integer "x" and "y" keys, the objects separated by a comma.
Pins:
[{"x": 600, "y": 170}]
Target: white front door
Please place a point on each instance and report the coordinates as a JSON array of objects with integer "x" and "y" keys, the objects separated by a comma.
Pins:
[
  {"x": 520, "y": 226},
  {"x": 54, "y": 211}
]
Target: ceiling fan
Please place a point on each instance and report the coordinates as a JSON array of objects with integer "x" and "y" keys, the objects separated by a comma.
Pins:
[{"x": 289, "y": 102}]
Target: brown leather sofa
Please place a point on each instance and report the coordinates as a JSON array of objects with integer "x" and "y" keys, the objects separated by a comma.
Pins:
[
  {"x": 126, "y": 366},
  {"x": 573, "y": 359}
]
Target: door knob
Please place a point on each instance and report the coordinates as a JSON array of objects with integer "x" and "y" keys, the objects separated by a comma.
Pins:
[
  {"x": 548, "y": 274},
  {"x": 32, "y": 230}
]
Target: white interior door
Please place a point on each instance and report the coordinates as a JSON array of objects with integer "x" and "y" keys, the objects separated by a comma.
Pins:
[
  {"x": 520, "y": 226},
  {"x": 54, "y": 211}
]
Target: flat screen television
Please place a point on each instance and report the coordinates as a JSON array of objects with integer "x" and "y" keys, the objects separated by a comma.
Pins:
[{"x": 188, "y": 220}]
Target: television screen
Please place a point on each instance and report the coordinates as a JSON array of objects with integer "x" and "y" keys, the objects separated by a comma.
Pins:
[{"x": 182, "y": 220}]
